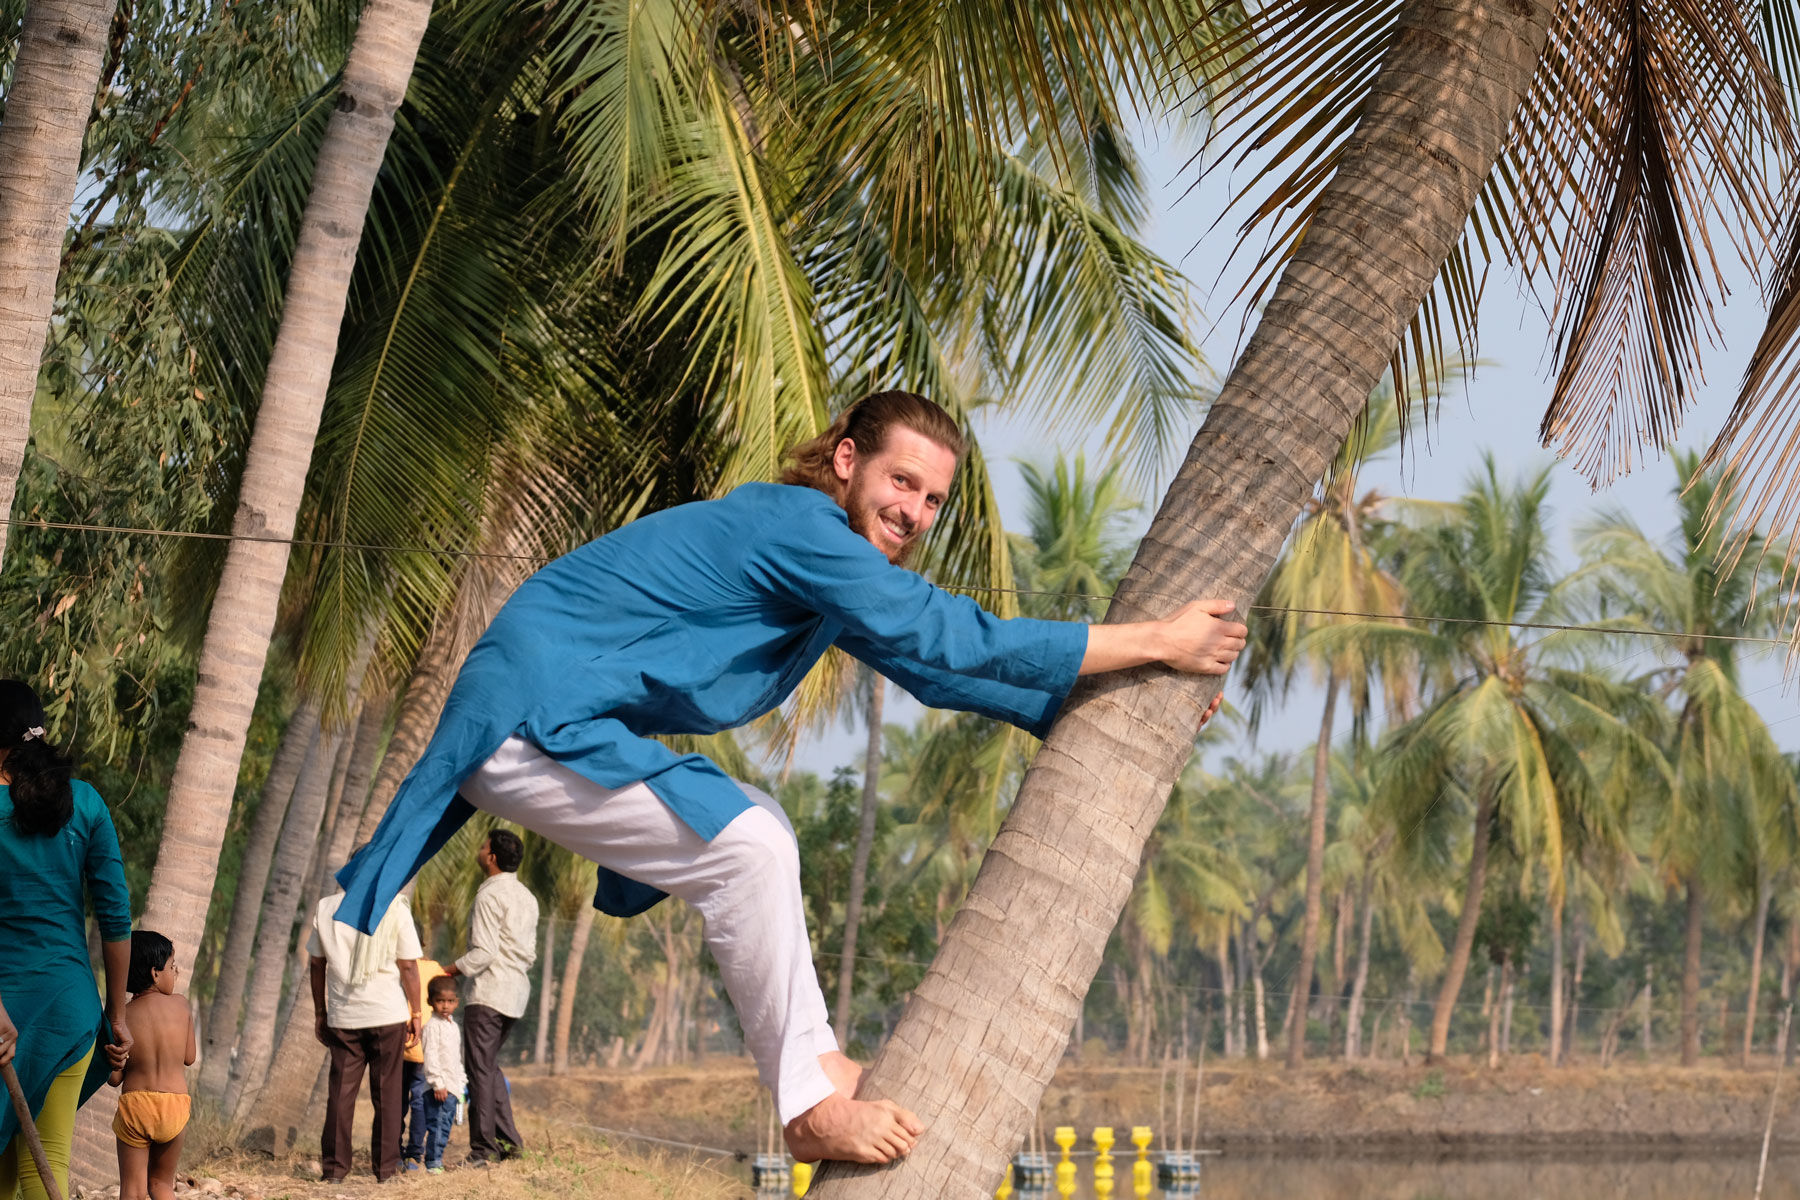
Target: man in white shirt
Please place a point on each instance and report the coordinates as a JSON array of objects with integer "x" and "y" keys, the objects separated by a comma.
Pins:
[
  {"x": 363, "y": 1015},
  {"x": 502, "y": 947}
]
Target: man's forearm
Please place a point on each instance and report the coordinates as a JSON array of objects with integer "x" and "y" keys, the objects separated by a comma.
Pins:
[
  {"x": 409, "y": 980},
  {"x": 317, "y": 971},
  {"x": 1197, "y": 638},
  {"x": 1118, "y": 647}
]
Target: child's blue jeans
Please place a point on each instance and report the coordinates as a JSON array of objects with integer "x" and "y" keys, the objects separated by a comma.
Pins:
[{"x": 440, "y": 1115}]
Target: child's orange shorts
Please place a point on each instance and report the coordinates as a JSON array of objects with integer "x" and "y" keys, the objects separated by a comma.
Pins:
[{"x": 147, "y": 1117}]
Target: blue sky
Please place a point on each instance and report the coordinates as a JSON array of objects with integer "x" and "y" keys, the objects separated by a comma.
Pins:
[{"x": 1497, "y": 410}]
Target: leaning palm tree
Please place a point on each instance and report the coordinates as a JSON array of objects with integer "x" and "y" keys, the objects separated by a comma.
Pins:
[
  {"x": 54, "y": 70},
  {"x": 243, "y": 614},
  {"x": 1380, "y": 159},
  {"x": 1730, "y": 799}
]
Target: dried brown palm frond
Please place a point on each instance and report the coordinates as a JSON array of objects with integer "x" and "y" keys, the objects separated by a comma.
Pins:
[
  {"x": 1759, "y": 444},
  {"x": 1646, "y": 119},
  {"x": 1664, "y": 113}
]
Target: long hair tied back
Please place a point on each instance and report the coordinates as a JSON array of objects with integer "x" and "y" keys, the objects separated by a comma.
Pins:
[{"x": 39, "y": 772}]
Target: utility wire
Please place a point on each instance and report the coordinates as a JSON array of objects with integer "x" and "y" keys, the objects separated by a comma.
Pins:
[{"x": 201, "y": 535}]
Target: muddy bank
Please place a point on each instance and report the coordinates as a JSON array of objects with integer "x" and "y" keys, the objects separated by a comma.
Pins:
[{"x": 1375, "y": 1110}]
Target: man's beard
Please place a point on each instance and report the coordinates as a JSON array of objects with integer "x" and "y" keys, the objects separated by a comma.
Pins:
[{"x": 864, "y": 519}]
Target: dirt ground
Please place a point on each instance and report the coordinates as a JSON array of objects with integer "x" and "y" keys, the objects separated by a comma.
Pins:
[
  {"x": 1379, "y": 1109},
  {"x": 559, "y": 1162}
]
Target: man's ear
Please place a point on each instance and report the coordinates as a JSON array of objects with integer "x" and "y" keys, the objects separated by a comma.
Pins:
[{"x": 843, "y": 459}]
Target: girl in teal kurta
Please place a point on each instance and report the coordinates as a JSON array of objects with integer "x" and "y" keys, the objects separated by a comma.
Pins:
[{"x": 56, "y": 839}]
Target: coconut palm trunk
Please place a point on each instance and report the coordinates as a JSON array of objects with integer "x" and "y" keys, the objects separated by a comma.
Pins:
[
  {"x": 859, "y": 862},
  {"x": 246, "y": 907},
  {"x": 540, "y": 1048},
  {"x": 60, "y": 49},
  {"x": 983, "y": 1031},
  {"x": 281, "y": 900},
  {"x": 1315, "y": 879},
  {"x": 571, "y": 979},
  {"x": 282, "y": 1105},
  {"x": 1757, "y": 936},
  {"x": 1572, "y": 1024},
  {"x": 1556, "y": 980},
  {"x": 287, "y": 421},
  {"x": 1359, "y": 985},
  {"x": 1226, "y": 998},
  {"x": 1690, "y": 975},
  {"x": 1464, "y": 943},
  {"x": 365, "y": 754}
]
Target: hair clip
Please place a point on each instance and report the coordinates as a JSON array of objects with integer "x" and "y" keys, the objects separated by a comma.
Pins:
[{"x": 32, "y": 734}]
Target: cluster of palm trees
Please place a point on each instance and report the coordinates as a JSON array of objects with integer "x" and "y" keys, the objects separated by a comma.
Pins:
[
  {"x": 1531, "y": 751},
  {"x": 404, "y": 298}
]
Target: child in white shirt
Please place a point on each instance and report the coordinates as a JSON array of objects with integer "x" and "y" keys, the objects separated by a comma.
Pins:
[{"x": 444, "y": 1078}]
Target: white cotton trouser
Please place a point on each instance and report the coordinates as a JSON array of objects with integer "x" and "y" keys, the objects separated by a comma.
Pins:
[{"x": 745, "y": 883}]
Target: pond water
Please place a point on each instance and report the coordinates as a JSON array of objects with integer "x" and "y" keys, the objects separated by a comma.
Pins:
[{"x": 1641, "y": 1178}]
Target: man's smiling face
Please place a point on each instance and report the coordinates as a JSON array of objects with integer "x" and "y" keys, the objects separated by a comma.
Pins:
[{"x": 893, "y": 495}]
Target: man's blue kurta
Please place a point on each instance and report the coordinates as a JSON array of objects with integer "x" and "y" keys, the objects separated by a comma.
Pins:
[{"x": 694, "y": 620}]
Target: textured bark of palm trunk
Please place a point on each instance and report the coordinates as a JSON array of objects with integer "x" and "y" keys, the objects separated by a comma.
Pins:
[
  {"x": 287, "y": 422},
  {"x": 1790, "y": 960},
  {"x": 297, "y": 1058},
  {"x": 1572, "y": 1023},
  {"x": 571, "y": 980},
  {"x": 1225, "y": 990},
  {"x": 1458, "y": 964},
  {"x": 1241, "y": 1017},
  {"x": 281, "y": 901},
  {"x": 1759, "y": 928},
  {"x": 60, "y": 49},
  {"x": 1341, "y": 922},
  {"x": 1510, "y": 986},
  {"x": 319, "y": 864},
  {"x": 1556, "y": 981},
  {"x": 1315, "y": 879},
  {"x": 859, "y": 863},
  {"x": 246, "y": 907},
  {"x": 1359, "y": 986},
  {"x": 1262, "y": 1010},
  {"x": 983, "y": 1031},
  {"x": 1690, "y": 976},
  {"x": 1494, "y": 1017},
  {"x": 540, "y": 1049},
  {"x": 365, "y": 753}
]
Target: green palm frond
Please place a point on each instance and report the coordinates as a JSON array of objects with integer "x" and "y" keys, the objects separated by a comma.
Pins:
[
  {"x": 629, "y": 76},
  {"x": 728, "y": 267}
]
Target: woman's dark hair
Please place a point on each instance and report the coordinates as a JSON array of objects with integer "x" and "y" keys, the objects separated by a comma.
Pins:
[
  {"x": 440, "y": 985},
  {"x": 41, "y": 799},
  {"x": 150, "y": 953},
  {"x": 507, "y": 849}
]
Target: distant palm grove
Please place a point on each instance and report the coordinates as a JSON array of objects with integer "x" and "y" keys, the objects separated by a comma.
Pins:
[{"x": 326, "y": 322}]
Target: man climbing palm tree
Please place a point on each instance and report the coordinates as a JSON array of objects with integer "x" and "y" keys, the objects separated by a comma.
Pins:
[{"x": 698, "y": 619}]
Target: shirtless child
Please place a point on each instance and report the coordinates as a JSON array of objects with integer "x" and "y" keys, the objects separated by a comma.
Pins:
[{"x": 153, "y": 1103}]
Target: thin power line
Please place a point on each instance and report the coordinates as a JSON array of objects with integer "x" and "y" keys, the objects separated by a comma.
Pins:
[{"x": 373, "y": 548}]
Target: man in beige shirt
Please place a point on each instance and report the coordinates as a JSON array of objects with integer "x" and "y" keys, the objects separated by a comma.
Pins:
[
  {"x": 502, "y": 947},
  {"x": 362, "y": 989}
]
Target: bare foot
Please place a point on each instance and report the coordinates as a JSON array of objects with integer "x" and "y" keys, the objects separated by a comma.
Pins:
[
  {"x": 859, "y": 1131},
  {"x": 843, "y": 1071}
]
